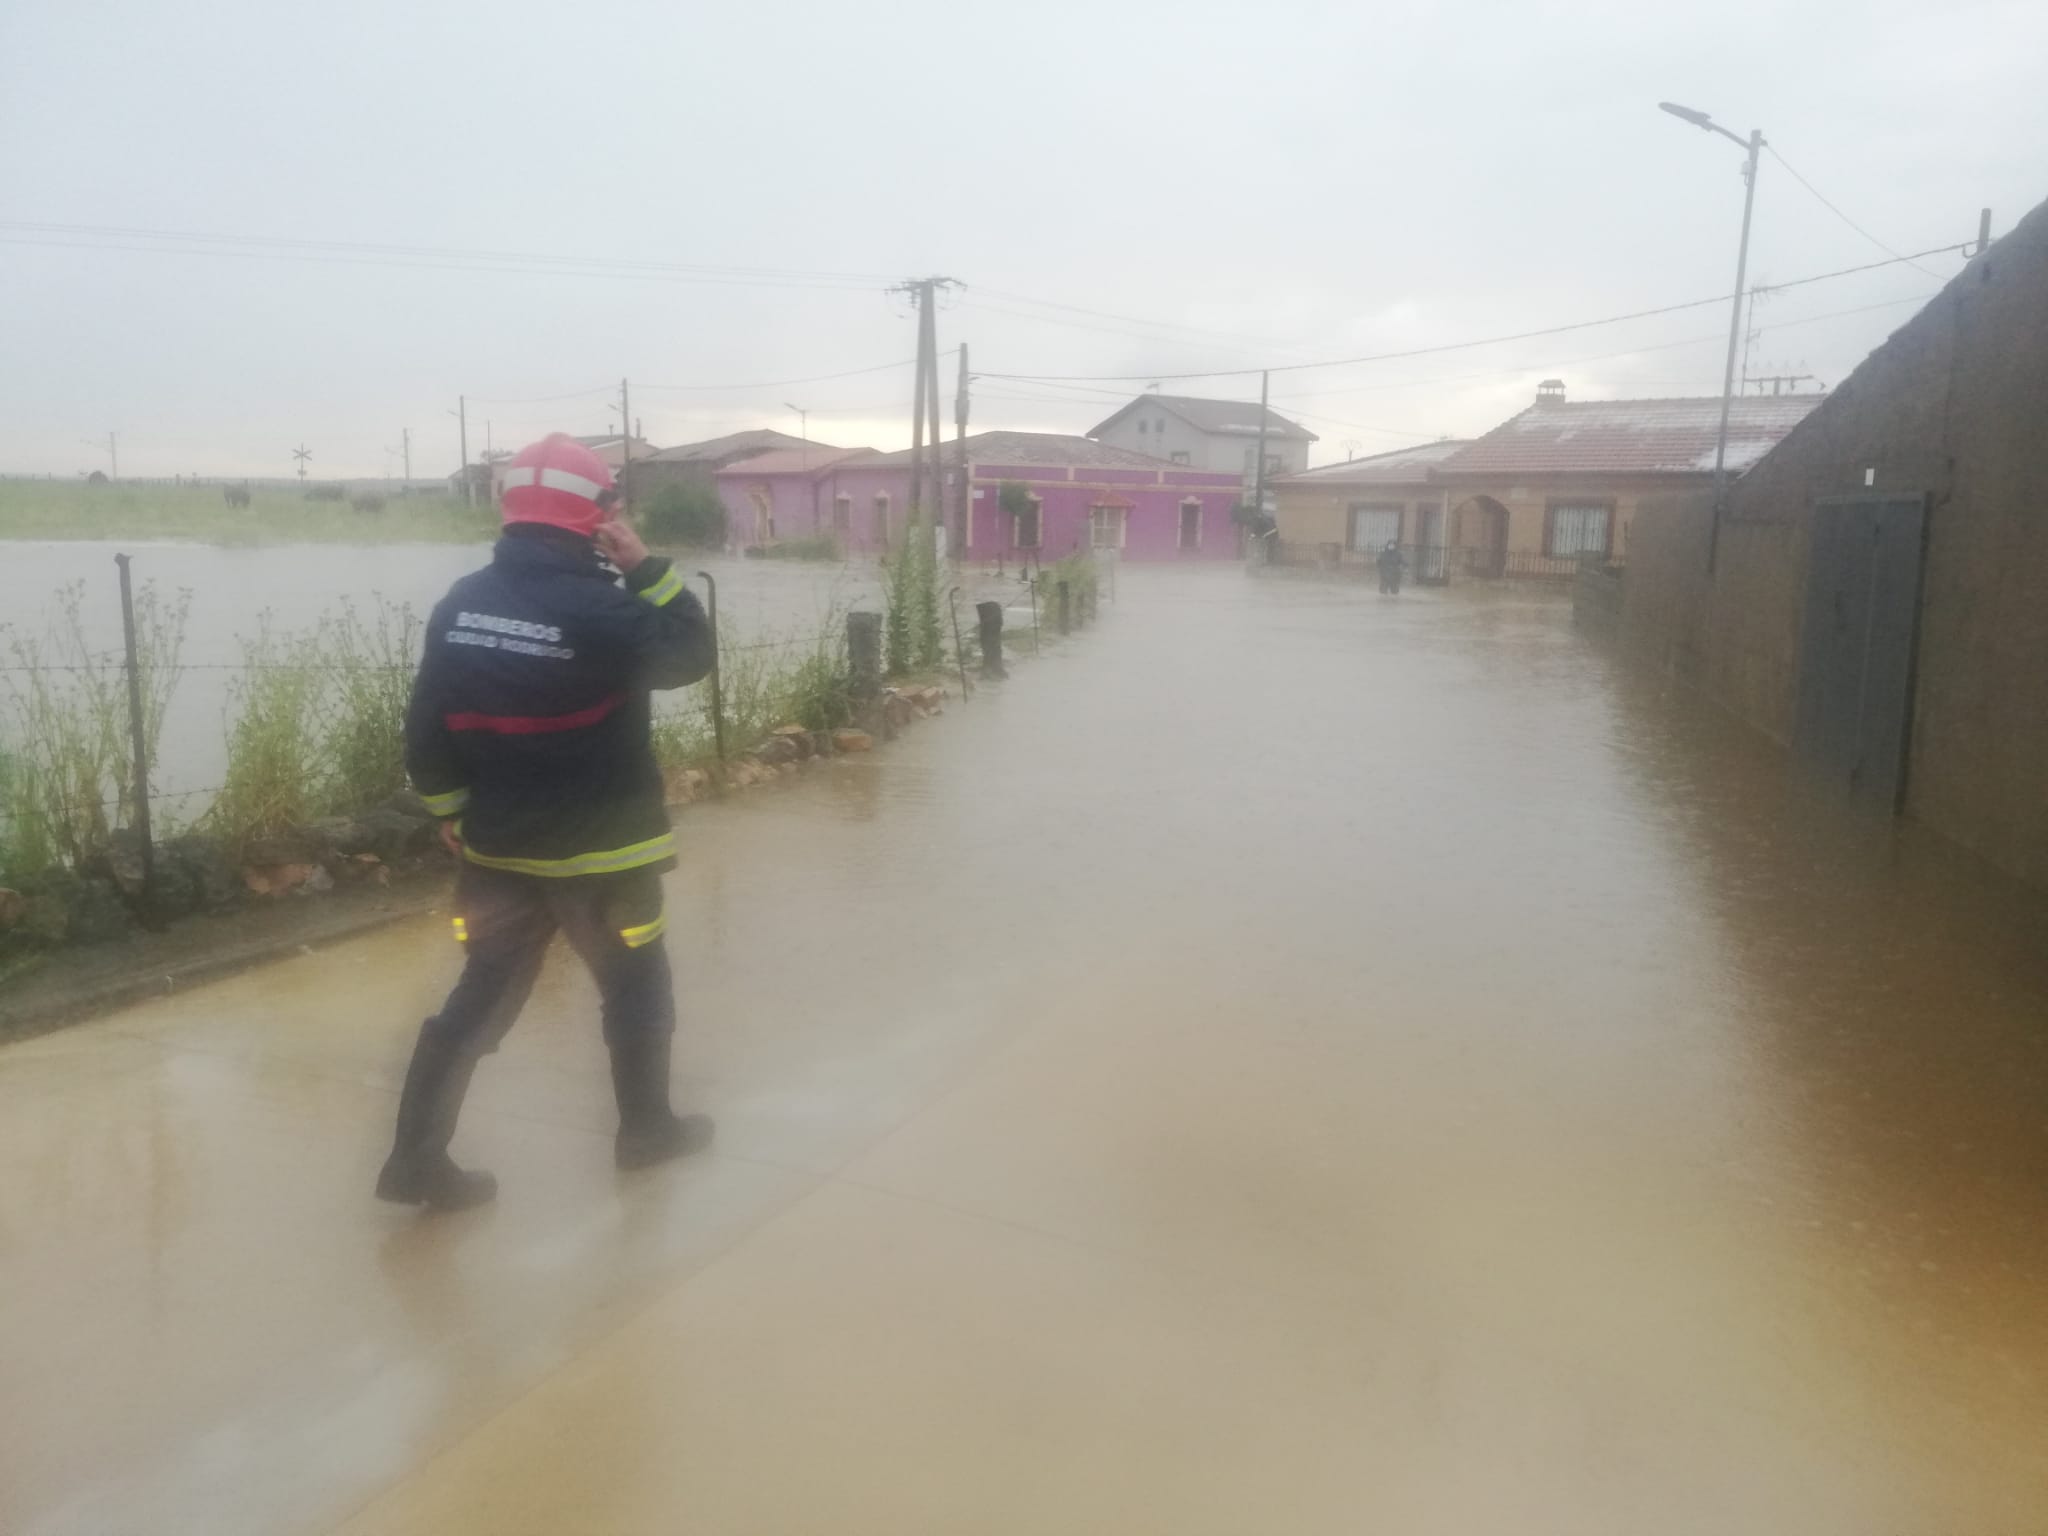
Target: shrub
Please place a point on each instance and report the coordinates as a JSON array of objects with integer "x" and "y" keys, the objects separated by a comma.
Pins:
[
  {"x": 373, "y": 662},
  {"x": 274, "y": 768},
  {"x": 71, "y": 779},
  {"x": 686, "y": 514}
]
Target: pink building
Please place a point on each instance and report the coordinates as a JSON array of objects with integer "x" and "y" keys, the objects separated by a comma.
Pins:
[{"x": 1082, "y": 494}]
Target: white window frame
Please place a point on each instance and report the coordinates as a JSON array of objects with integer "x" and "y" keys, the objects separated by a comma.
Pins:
[
  {"x": 1374, "y": 509},
  {"x": 1180, "y": 456},
  {"x": 1095, "y": 520},
  {"x": 883, "y": 509},
  {"x": 1580, "y": 512}
]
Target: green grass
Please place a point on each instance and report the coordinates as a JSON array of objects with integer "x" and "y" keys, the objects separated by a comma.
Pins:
[{"x": 72, "y": 509}]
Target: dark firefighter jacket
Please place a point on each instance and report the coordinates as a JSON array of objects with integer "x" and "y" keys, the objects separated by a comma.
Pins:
[{"x": 530, "y": 718}]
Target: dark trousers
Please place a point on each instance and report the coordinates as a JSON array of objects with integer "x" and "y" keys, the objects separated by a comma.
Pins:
[{"x": 506, "y": 922}]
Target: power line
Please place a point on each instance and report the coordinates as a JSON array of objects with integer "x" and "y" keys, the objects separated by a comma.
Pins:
[
  {"x": 1485, "y": 341},
  {"x": 427, "y": 258},
  {"x": 816, "y": 378},
  {"x": 1821, "y": 197}
]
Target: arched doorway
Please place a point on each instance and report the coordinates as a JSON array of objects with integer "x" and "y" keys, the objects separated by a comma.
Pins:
[{"x": 1479, "y": 537}]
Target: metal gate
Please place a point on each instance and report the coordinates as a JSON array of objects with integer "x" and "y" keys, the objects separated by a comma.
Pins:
[{"x": 1856, "y": 653}]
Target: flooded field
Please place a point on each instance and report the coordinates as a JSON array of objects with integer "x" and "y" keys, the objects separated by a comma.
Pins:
[
  {"x": 233, "y": 590},
  {"x": 1290, "y": 1060}
]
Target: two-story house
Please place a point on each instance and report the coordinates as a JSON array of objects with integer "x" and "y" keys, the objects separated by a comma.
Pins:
[{"x": 1221, "y": 436}]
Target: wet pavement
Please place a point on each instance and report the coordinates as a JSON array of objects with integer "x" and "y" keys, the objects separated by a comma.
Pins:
[{"x": 1291, "y": 1061}]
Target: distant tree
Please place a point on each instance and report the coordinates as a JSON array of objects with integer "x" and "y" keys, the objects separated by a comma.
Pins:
[{"x": 688, "y": 514}]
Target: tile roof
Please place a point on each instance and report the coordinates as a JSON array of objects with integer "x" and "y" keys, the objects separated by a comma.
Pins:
[
  {"x": 733, "y": 444},
  {"x": 1233, "y": 418},
  {"x": 1403, "y": 466},
  {"x": 1644, "y": 437},
  {"x": 812, "y": 460},
  {"x": 1049, "y": 450}
]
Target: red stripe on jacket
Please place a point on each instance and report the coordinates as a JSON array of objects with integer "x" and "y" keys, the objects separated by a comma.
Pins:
[{"x": 534, "y": 725}]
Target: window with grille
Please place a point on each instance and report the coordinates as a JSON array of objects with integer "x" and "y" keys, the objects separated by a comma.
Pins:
[
  {"x": 1375, "y": 525},
  {"x": 1579, "y": 530},
  {"x": 842, "y": 514},
  {"x": 1028, "y": 525},
  {"x": 1105, "y": 527},
  {"x": 1180, "y": 456}
]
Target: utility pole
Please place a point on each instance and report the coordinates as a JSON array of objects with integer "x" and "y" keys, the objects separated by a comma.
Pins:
[
  {"x": 114, "y": 450},
  {"x": 925, "y": 406},
  {"x": 1259, "y": 468},
  {"x": 960, "y": 456},
  {"x": 462, "y": 425},
  {"x": 625, "y": 448},
  {"x": 405, "y": 441},
  {"x": 1983, "y": 232},
  {"x": 931, "y": 405},
  {"x": 917, "y": 424}
]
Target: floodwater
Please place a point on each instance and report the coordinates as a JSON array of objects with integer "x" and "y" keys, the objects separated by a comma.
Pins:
[
  {"x": 234, "y": 591},
  {"x": 1290, "y": 1060}
]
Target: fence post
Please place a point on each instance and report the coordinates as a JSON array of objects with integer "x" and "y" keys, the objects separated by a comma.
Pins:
[
  {"x": 864, "y": 655},
  {"x": 717, "y": 681},
  {"x": 1062, "y": 607},
  {"x": 991, "y": 616},
  {"x": 139, "y": 742},
  {"x": 959, "y": 650}
]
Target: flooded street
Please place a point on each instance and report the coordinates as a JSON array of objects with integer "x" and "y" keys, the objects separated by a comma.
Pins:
[{"x": 1288, "y": 1061}]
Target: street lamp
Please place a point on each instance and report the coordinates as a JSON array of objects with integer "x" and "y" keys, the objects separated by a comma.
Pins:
[
  {"x": 1753, "y": 146},
  {"x": 803, "y": 427}
]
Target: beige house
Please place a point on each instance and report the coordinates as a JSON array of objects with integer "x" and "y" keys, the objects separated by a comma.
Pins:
[
  {"x": 1545, "y": 490},
  {"x": 1560, "y": 483},
  {"x": 1347, "y": 513}
]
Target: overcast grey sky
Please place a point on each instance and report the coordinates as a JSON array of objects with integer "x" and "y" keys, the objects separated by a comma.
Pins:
[{"x": 1224, "y": 185}]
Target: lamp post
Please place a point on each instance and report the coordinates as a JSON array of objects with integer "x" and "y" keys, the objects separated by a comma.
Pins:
[
  {"x": 1753, "y": 147},
  {"x": 803, "y": 429}
]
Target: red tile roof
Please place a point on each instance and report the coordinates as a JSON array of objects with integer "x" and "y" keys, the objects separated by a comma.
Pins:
[
  {"x": 1623, "y": 437},
  {"x": 1402, "y": 466},
  {"x": 1049, "y": 450},
  {"x": 795, "y": 461}
]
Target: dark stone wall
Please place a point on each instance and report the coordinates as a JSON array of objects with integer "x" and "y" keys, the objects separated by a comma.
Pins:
[{"x": 1954, "y": 404}]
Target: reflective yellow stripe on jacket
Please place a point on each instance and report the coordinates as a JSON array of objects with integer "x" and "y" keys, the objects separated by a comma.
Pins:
[
  {"x": 664, "y": 590},
  {"x": 448, "y": 804},
  {"x": 653, "y": 851}
]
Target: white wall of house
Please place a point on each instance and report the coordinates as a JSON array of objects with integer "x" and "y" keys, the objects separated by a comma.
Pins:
[{"x": 1166, "y": 434}]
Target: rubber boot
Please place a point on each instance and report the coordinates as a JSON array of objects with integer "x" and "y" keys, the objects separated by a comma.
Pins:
[
  {"x": 649, "y": 1131},
  {"x": 419, "y": 1170}
]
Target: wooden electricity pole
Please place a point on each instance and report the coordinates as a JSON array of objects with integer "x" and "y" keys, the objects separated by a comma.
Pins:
[
  {"x": 625, "y": 449},
  {"x": 462, "y": 430},
  {"x": 917, "y": 421},
  {"x": 959, "y": 550},
  {"x": 1259, "y": 468},
  {"x": 924, "y": 410}
]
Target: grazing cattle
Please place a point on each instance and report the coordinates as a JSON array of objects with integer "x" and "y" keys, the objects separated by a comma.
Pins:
[{"x": 235, "y": 495}]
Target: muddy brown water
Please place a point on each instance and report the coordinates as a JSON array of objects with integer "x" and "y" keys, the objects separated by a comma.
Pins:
[{"x": 1290, "y": 1060}]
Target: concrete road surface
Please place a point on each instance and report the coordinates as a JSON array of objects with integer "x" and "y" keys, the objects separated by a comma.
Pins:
[{"x": 1292, "y": 1061}]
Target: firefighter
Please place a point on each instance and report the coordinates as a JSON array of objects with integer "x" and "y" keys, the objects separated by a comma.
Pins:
[{"x": 528, "y": 733}]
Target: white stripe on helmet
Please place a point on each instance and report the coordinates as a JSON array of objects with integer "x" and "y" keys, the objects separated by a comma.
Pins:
[
  {"x": 570, "y": 481},
  {"x": 522, "y": 475}
]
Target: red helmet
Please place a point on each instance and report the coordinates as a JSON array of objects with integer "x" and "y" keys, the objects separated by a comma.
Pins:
[{"x": 559, "y": 482}]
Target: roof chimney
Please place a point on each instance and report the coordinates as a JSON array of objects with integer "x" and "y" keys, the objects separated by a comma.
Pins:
[{"x": 1550, "y": 392}]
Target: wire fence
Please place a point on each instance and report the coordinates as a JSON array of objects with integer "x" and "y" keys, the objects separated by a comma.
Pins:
[{"x": 68, "y": 721}]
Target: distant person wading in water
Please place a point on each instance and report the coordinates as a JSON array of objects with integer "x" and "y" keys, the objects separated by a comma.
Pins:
[{"x": 1390, "y": 564}]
